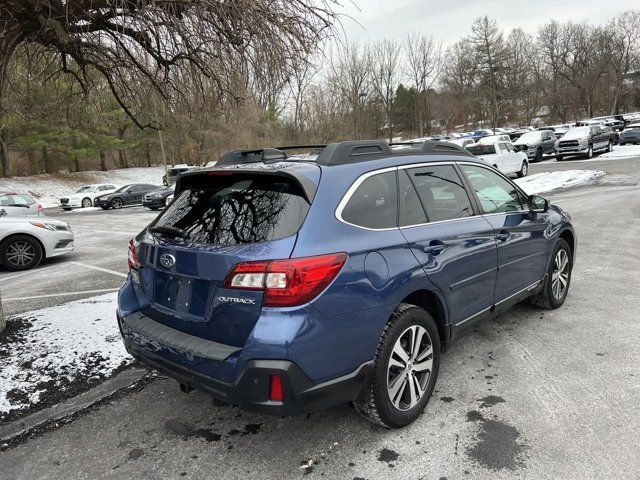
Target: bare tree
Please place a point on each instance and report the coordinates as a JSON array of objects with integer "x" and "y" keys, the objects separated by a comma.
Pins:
[
  {"x": 624, "y": 54},
  {"x": 129, "y": 42},
  {"x": 351, "y": 69},
  {"x": 423, "y": 68},
  {"x": 460, "y": 81},
  {"x": 385, "y": 77}
]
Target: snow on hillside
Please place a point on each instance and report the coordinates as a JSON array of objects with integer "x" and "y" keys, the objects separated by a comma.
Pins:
[
  {"x": 548, "y": 181},
  {"x": 48, "y": 188}
]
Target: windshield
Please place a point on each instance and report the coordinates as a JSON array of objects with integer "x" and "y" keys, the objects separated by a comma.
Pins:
[
  {"x": 632, "y": 127},
  {"x": 530, "y": 136},
  {"x": 235, "y": 209},
  {"x": 578, "y": 132},
  {"x": 88, "y": 188}
]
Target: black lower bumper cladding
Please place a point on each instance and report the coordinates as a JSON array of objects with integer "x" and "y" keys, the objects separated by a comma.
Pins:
[{"x": 251, "y": 389}]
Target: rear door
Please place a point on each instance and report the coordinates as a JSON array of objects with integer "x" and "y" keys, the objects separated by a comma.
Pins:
[
  {"x": 224, "y": 218},
  {"x": 521, "y": 239},
  {"x": 456, "y": 248}
]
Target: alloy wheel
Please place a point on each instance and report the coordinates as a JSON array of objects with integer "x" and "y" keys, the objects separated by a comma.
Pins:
[
  {"x": 560, "y": 275},
  {"x": 86, "y": 203},
  {"x": 410, "y": 366},
  {"x": 523, "y": 170},
  {"x": 20, "y": 253},
  {"x": 116, "y": 203}
]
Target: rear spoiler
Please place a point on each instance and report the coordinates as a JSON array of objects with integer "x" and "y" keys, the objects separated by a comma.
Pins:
[{"x": 189, "y": 179}]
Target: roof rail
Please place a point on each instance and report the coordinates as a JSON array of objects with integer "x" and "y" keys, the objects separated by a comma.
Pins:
[{"x": 361, "y": 150}]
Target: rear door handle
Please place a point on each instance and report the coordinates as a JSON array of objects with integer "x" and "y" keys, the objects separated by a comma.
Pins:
[
  {"x": 434, "y": 247},
  {"x": 503, "y": 236}
]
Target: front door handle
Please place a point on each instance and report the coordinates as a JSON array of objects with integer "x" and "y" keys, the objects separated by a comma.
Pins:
[
  {"x": 435, "y": 247},
  {"x": 503, "y": 236}
]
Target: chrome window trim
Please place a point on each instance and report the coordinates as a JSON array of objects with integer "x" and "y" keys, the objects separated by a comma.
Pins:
[
  {"x": 351, "y": 190},
  {"x": 354, "y": 186}
]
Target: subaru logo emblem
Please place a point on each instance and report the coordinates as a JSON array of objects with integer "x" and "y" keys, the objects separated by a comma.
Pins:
[{"x": 167, "y": 260}]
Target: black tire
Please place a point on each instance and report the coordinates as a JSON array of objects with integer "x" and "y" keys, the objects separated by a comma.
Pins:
[
  {"x": 559, "y": 158},
  {"x": 622, "y": 143},
  {"x": 610, "y": 146},
  {"x": 538, "y": 157},
  {"x": 29, "y": 246},
  {"x": 105, "y": 208},
  {"x": 154, "y": 208},
  {"x": 117, "y": 203},
  {"x": 66, "y": 209},
  {"x": 375, "y": 403},
  {"x": 524, "y": 169},
  {"x": 589, "y": 153},
  {"x": 546, "y": 297},
  {"x": 86, "y": 202}
]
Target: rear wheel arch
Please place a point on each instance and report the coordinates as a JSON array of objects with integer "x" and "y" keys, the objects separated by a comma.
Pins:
[{"x": 430, "y": 302}]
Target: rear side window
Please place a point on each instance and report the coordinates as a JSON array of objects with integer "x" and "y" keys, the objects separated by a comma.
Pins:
[
  {"x": 494, "y": 192},
  {"x": 237, "y": 209},
  {"x": 480, "y": 149},
  {"x": 441, "y": 192},
  {"x": 374, "y": 204}
]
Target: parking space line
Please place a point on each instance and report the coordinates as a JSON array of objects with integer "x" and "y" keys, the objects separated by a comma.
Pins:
[
  {"x": 20, "y": 275},
  {"x": 100, "y": 269},
  {"x": 66, "y": 294}
]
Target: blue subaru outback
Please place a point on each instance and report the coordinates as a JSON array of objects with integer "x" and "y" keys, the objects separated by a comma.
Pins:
[{"x": 286, "y": 284}]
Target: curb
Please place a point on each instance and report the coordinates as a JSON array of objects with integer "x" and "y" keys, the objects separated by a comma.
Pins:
[{"x": 71, "y": 406}]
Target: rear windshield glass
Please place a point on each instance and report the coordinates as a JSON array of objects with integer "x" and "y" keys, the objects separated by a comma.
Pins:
[
  {"x": 236, "y": 209},
  {"x": 479, "y": 149}
]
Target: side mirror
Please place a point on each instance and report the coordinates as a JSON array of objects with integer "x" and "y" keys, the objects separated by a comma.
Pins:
[{"x": 538, "y": 204}]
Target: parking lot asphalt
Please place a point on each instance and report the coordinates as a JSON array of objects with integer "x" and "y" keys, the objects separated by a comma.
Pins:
[
  {"x": 98, "y": 264},
  {"x": 531, "y": 394}
]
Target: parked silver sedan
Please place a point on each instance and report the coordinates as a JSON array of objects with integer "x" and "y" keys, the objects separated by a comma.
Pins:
[{"x": 19, "y": 204}]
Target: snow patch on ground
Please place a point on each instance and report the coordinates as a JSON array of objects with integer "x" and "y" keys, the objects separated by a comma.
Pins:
[
  {"x": 48, "y": 188},
  {"x": 54, "y": 349},
  {"x": 622, "y": 151},
  {"x": 548, "y": 181}
]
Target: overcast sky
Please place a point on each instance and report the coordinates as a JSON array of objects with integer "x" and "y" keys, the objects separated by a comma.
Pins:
[{"x": 449, "y": 20}]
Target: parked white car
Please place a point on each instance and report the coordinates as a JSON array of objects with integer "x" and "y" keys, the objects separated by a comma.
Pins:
[
  {"x": 503, "y": 156},
  {"x": 491, "y": 139},
  {"x": 26, "y": 241},
  {"x": 19, "y": 204},
  {"x": 85, "y": 196}
]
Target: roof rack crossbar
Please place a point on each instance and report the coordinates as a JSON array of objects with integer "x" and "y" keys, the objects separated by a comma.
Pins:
[{"x": 300, "y": 147}]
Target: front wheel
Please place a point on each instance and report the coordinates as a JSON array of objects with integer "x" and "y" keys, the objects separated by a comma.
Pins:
[
  {"x": 405, "y": 369},
  {"x": 117, "y": 203},
  {"x": 558, "y": 278},
  {"x": 559, "y": 158},
  {"x": 524, "y": 169},
  {"x": 20, "y": 252},
  {"x": 538, "y": 156},
  {"x": 86, "y": 203},
  {"x": 610, "y": 146},
  {"x": 589, "y": 153}
]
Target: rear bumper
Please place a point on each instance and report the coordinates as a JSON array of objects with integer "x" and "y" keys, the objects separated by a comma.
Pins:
[{"x": 250, "y": 390}]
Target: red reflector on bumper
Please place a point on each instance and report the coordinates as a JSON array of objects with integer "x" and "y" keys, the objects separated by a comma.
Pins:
[{"x": 275, "y": 389}]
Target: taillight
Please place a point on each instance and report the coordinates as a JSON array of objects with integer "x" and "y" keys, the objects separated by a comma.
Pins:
[
  {"x": 40, "y": 209},
  {"x": 132, "y": 260},
  {"x": 287, "y": 282}
]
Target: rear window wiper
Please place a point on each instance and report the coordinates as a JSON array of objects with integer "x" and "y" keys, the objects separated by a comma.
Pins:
[{"x": 168, "y": 231}]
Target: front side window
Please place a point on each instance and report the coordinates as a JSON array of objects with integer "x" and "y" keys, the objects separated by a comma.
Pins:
[
  {"x": 374, "y": 204},
  {"x": 494, "y": 192},
  {"x": 441, "y": 192},
  {"x": 236, "y": 209}
]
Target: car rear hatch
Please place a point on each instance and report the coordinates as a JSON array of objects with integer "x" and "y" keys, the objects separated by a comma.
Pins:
[{"x": 218, "y": 219}]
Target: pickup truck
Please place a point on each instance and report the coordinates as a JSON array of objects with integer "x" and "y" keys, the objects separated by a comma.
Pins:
[
  {"x": 536, "y": 143},
  {"x": 503, "y": 156},
  {"x": 585, "y": 141}
]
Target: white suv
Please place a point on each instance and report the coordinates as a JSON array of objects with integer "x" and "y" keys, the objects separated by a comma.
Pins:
[
  {"x": 26, "y": 241},
  {"x": 85, "y": 196}
]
